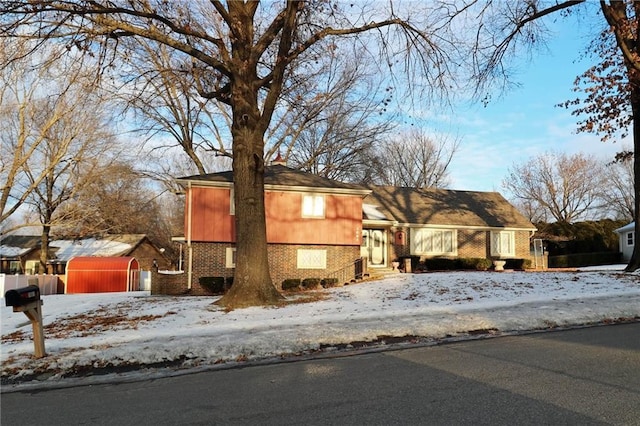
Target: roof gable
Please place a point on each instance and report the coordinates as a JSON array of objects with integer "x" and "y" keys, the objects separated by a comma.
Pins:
[{"x": 446, "y": 207}]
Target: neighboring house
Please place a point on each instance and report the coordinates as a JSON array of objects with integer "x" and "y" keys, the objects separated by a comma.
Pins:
[
  {"x": 626, "y": 236},
  {"x": 62, "y": 250},
  {"x": 400, "y": 222},
  {"x": 317, "y": 227},
  {"x": 15, "y": 250}
]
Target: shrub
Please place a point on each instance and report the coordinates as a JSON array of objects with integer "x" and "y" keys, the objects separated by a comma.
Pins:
[
  {"x": 462, "y": 263},
  {"x": 310, "y": 283},
  {"x": 291, "y": 284},
  {"x": 474, "y": 263},
  {"x": 329, "y": 282},
  {"x": 440, "y": 264},
  {"x": 214, "y": 285}
]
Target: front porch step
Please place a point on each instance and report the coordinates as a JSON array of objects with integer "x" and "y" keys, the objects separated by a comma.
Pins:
[{"x": 381, "y": 272}]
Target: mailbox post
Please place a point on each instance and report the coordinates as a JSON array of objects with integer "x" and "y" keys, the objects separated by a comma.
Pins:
[{"x": 27, "y": 300}]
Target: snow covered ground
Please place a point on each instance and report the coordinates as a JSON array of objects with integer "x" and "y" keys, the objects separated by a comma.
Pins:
[{"x": 86, "y": 332}]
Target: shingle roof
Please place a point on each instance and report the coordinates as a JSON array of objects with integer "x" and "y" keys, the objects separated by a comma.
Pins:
[
  {"x": 107, "y": 245},
  {"x": 279, "y": 175},
  {"x": 17, "y": 245},
  {"x": 446, "y": 207}
]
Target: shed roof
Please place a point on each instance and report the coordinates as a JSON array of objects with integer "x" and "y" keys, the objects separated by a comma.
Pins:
[
  {"x": 627, "y": 228},
  {"x": 107, "y": 245},
  {"x": 96, "y": 263}
]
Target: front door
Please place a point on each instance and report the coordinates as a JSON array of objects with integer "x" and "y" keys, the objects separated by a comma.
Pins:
[{"x": 374, "y": 246}]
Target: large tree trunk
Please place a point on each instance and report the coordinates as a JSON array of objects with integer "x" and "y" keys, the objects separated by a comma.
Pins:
[
  {"x": 634, "y": 262},
  {"x": 252, "y": 283}
]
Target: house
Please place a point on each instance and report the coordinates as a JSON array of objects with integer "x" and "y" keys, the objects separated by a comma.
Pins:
[
  {"x": 626, "y": 235},
  {"x": 317, "y": 227},
  {"x": 314, "y": 226},
  {"x": 21, "y": 254},
  {"x": 421, "y": 223},
  {"x": 16, "y": 254}
]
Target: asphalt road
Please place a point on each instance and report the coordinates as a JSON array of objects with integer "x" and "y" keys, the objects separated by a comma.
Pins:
[{"x": 587, "y": 376}]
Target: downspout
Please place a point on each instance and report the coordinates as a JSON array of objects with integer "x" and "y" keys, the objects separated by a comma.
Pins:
[{"x": 189, "y": 247}]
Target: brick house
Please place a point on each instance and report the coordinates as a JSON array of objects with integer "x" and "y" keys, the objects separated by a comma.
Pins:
[
  {"x": 401, "y": 222},
  {"x": 314, "y": 227},
  {"x": 320, "y": 228}
]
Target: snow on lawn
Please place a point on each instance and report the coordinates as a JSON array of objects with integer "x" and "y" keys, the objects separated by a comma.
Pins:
[{"x": 85, "y": 331}]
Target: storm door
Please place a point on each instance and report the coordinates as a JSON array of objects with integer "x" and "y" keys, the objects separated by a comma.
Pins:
[{"x": 374, "y": 246}]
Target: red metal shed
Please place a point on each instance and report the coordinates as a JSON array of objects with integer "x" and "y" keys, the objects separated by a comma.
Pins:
[{"x": 102, "y": 274}]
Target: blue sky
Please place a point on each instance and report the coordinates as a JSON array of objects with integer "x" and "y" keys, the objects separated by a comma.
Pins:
[{"x": 525, "y": 122}]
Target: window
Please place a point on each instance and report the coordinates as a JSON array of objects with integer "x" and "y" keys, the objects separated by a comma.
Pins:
[
  {"x": 313, "y": 206},
  {"x": 232, "y": 202},
  {"x": 434, "y": 241},
  {"x": 15, "y": 267},
  {"x": 629, "y": 239},
  {"x": 503, "y": 243},
  {"x": 32, "y": 267},
  {"x": 312, "y": 259},
  {"x": 230, "y": 258}
]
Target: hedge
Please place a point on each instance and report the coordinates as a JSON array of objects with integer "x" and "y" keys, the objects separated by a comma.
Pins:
[{"x": 584, "y": 259}]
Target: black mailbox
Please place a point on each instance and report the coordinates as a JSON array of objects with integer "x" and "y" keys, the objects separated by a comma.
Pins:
[{"x": 22, "y": 296}]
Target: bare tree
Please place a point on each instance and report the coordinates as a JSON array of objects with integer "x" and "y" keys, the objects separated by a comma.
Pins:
[
  {"x": 532, "y": 210},
  {"x": 244, "y": 54},
  {"x": 618, "y": 194},
  {"x": 336, "y": 135},
  {"x": 65, "y": 161},
  {"x": 31, "y": 107},
  {"x": 163, "y": 97},
  {"x": 121, "y": 200},
  {"x": 567, "y": 187},
  {"x": 416, "y": 160}
]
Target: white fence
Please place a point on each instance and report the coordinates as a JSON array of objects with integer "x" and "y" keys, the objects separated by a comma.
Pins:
[
  {"x": 48, "y": 283},
  {"x": 145, "y": 280}
]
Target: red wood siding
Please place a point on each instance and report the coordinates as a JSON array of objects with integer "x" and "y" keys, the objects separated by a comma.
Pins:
[
  {"x": 102, "y": 274},
  {"x": 211, "y": 220},
  {"x": 342, "y": 224}
]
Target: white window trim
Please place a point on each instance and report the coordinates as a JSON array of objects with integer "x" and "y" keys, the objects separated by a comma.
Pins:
[
  {"x": 497, "y": 236},
  {"x": 432, "y": 231},
  {"x": 314, "y": 206},
  {"x": 311, "y": 259},
  {"x": 232, "y": 202},
  {"x": 230, "y": 255}
]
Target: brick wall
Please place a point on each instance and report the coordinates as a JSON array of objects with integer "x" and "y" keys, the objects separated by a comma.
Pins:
[
  {"x": 170, "y": 284},
  {"x": 209, "y": 260},
  {"x": 471, "y": 243},
  {"x": 523, "y": 245}
]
